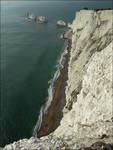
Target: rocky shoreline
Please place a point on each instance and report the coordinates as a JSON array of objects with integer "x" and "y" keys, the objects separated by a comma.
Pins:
[{"x": 51, "y": 119}]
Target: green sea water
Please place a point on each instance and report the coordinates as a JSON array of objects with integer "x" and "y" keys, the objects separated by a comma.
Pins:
[{"x": 29, "y": 54}]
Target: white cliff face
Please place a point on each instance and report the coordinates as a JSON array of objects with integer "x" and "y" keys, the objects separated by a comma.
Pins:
[
  {"x": 91, "y": 116},
  {"x": 91, "y": 32},
  {"x": 89, "y": 89}
]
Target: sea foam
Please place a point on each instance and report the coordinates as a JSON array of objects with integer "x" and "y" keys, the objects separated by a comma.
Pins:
[{"x": 51, "y": 90}]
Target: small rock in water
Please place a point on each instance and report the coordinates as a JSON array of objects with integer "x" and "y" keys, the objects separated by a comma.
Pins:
[
  {"x": 61, "y": 23},
  {"x": 62, "y": 36},
  {"x": 30, "y": 16},
  {"x": 41, "y": 19}
]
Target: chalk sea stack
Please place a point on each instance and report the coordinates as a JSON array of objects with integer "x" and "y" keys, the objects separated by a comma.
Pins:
[
  {"x": 30, "y": 17},
  {"x": 87, "y": 122},
  {"x": 61, "y": 23},
  {"x": 41, "y": 19}
]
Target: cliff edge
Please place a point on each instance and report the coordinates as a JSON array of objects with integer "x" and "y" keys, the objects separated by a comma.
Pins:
[
  {"x": 88, "y": 114},
  {"x": 89, "y": 106}
]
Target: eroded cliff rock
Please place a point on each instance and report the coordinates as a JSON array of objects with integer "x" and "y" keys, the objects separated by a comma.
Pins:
[
  {"x": 91, "y": 116},
  {"x": 92, "y": 31},
  {"x": 89, "y": 89},
  {"x": 88, "y": 116}
]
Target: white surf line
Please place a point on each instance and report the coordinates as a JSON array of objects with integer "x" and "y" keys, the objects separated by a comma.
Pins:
[{"x": 45, "y": 107}]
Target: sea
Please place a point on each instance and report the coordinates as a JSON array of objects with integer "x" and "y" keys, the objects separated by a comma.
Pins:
[{"x": 29, "y": 59}]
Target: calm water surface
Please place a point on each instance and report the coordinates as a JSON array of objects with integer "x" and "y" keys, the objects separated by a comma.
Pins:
[{"x": 29, "y": 54}]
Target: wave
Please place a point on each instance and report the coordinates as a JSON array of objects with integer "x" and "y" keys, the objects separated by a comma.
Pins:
[{"x": 51, "y": 90}]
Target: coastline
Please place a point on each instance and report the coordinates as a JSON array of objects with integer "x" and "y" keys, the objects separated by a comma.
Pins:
[
  {"x": 89, "y": 124},
  {"x": 51, "y": 112}
]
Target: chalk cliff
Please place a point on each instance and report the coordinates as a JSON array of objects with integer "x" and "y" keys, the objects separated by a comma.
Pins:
[
  {"x": 88, "y": 114},
  {"x": 89, "y": 89}
]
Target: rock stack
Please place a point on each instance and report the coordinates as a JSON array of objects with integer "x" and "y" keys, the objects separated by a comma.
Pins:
[
  {"x": 41, "y": 19},
  {"x": 61, "y": 23}
]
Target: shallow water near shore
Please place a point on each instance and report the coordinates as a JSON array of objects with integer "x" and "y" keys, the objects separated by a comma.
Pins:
[{"x": 29, "y": 54}]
